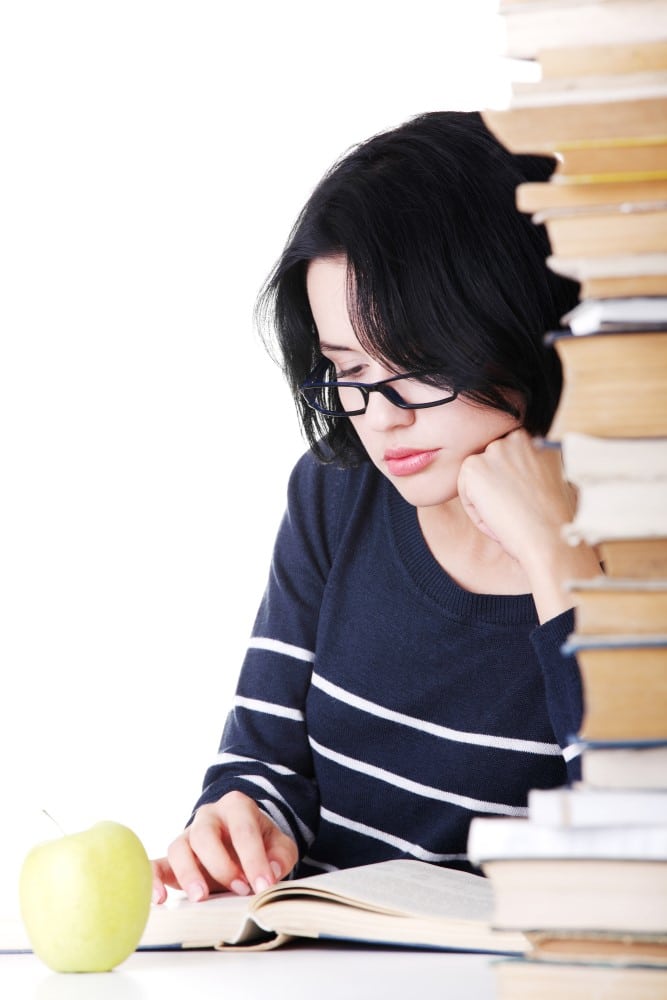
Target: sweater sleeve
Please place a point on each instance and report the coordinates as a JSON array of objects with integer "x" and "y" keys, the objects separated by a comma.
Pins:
[
  {"x": 264, "y": 750},
  {"x": 562, "y": 682}
]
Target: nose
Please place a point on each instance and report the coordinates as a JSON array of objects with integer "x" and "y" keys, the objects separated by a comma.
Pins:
[{"x": 381, "y": 414}]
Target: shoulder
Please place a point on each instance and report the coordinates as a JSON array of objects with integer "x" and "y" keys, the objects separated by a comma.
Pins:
[{"x": 322, "y": 493}]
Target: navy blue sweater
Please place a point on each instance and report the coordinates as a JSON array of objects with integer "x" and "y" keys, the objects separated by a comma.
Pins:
[{"x": 381, "y": 706}]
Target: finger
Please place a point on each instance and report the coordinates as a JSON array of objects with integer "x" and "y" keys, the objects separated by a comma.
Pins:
[
  {"x": 246, "y": 832},
  {"x": 189, "y": 874},
  {"x": 281, "y": 851},
  {"x": 162, "y": 877},
  {"x": 211, "y": 843}
]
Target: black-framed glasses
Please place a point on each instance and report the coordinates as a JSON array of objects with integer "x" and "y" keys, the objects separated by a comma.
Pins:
[{"x": 340, "y": 398}]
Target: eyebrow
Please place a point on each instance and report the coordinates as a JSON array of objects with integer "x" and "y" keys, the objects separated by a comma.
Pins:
[{"x": 333, "y": 347}]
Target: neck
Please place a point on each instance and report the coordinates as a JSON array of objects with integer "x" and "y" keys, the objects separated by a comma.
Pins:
[{"x": 475, "y": 561}]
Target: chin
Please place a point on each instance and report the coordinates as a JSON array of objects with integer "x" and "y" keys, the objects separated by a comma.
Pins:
[{"x": 423, "y": 494}]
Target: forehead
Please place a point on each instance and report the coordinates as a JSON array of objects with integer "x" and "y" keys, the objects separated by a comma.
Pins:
[{"x": 327, "y": 286}]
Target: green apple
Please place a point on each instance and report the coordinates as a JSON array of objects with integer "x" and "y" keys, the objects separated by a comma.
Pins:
[{"x": 85, "y": 898}]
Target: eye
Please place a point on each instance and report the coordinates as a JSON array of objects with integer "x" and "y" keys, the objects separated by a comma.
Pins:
[{"x": 350, "y": 373}]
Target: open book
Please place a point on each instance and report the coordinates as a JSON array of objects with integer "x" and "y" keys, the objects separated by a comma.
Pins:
[{"x": 402, "y": 902}]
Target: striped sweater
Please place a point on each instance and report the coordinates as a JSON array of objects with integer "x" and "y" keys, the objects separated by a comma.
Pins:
[{"x": 380, "y": 706}]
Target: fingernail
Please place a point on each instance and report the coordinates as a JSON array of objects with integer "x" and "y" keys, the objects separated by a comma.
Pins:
[
  {"x": 275, "y": 868},
  {"x": 240, "y": 887},
  {"x": 261, "y": 884},
  {"x": 195, "y": 891}
]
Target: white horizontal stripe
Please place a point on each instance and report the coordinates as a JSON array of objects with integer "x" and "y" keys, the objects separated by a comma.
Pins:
[
  {"x": 415, "y": 787},
  {"x": 269, "y": 708},
  {"x": 443, "y": 732},
  {"x": 261, "y": 782},
  {"x": 572, "y": 751},
  {"x": 235, "y": 758},
  {"x": 285, "y": 648},
  {"x": 319, "y": 864},
  {"x": 274, "y": 813},
  {"x": 388, "y": 838}
]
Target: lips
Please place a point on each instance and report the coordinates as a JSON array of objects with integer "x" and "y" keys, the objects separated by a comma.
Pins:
[{"x": 408, "y": 461}]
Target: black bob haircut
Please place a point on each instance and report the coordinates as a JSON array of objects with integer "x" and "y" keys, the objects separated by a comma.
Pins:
[{"x": 444, "y": 273}]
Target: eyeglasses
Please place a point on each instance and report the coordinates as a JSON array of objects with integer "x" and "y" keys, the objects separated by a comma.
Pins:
[{"x": 337, "y": 398}]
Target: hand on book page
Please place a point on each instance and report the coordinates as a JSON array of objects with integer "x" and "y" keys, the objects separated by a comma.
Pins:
[
  {"x": 402, "y": 902},
  {"x": 230, "y": 844}
]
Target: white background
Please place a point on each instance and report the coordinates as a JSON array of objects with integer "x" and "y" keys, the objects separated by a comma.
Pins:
[{"x": 155, "y": 154}]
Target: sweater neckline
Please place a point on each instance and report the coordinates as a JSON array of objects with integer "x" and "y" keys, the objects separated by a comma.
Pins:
[{"x": 432, "y": 580}]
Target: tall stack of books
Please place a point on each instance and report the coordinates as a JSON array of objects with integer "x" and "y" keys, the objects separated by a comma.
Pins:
[{"x": 586, "y": 874}]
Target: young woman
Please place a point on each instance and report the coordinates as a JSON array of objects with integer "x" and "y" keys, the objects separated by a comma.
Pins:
[{"x": 404, "y": 672}]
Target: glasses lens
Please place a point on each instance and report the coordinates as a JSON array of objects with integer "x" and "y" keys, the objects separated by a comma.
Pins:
[
  {"x": 414, "y": 392},
  {"x": 333, "y": 400}
]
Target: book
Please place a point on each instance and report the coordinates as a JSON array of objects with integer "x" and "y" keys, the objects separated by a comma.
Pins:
[
  {"x": 615, "y": 606},
  {"x": 588, "y": 88},
  {"x": 614, "y": 384},
  {"x": 639, "y": 558},
  {"x": 531, "y": 28},
  {"x": 623, "y": 265},
  {"x": 611, "y": 314},
  {"x": 398, "y": 902},
  {"x": 603, "y": 231},
  {"x": 612, "y": 162},
  {"x": 529, "y": 979},
  {"x": 597, "y": 59},
  {"x": 557, "y": 195},
  {"x": 621, "y": 508},
  {"x": 598, "y": 946},
  {"x": 589, "y": 458},
  {"x": 624, "y": 681},
  {"x": 503, "y": 838},
  {"x": 581, "y": 806},
  {"x": 631, "y": 764},
  {"x": 624, "y": 285},
  {"x": 549, "y": 128},
  {"x": 612, "y": 879}
]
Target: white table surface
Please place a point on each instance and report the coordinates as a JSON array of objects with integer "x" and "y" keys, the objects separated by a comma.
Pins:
[{"x": 310, "y": 970}]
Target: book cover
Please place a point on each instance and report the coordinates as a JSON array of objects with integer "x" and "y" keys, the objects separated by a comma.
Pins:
[
  {"x": 616, "y": 287},
  {"x": 598, "y": 59},
  {"x": 529, "y": 29},
  {"x": 611, "y": 879},
  {"x": 555, "y": 196},
  {"x": 614, "y": 606},
  {"x": 590, "y": 458},
  {"x": 611, "y": 980},
  {"x": 614, "y": 384},
  {"x": 556, "y": 127},
  {"x": 623, "y": 265},
  {"x": 613, "y": 162},
  {"x": 624, "y": 681},
  {"x": 622, "y": 313},
  {"x": 624, "y": 764},
  {"x": 634, "y": 558},
  {"x": 583, "y": 806},
  {"x": 639, "y": 228}
]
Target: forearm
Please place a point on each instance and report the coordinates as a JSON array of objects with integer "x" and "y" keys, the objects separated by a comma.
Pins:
[{"x": 550, "y": 567}]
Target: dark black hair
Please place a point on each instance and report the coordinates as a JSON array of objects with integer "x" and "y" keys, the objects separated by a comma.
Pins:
[{"x": 444, "y": 273}]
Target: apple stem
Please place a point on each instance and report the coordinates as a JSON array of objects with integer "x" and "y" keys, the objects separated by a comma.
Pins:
[{"x": 54, "y": 821}]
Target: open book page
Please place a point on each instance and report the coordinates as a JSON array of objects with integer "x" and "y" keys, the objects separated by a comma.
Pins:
[
  {"x": 179, "y": 923},
  {"x": 400, "y": 902},
  {"x": 399, "y": 887}
]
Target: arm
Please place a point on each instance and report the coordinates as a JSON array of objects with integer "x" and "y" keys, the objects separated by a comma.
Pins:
[
  {"x": 515, "y": 492},
  {"x": 259, "y": 806}
]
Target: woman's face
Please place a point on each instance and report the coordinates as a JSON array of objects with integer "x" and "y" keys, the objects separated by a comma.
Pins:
[{"x": 420, "y": 451}]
